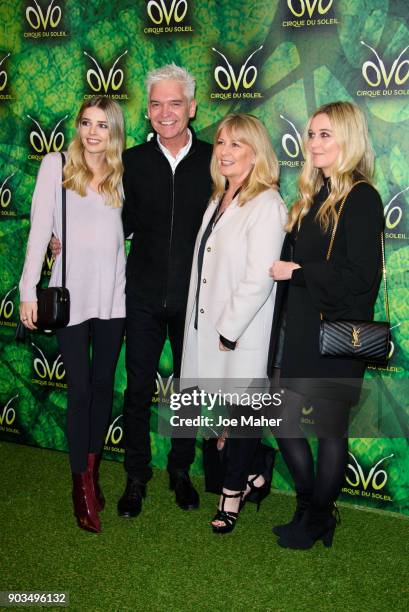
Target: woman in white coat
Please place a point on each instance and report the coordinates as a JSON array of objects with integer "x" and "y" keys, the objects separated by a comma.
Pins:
[{"x": 231, "y": 296}]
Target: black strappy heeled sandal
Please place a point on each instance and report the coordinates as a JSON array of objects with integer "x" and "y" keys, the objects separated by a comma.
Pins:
[
  {"x": 256, "y": 494},
  {"x": 229, "y": 518}
]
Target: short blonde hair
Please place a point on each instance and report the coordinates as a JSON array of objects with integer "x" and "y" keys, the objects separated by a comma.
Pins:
[
  {"x": 264, "y": 174},
  {"x": 77, "y": 175},
  {"x": 354, "y": 162}
]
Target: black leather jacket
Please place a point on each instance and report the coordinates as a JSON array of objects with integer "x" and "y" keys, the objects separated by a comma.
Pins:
[{"x": 164, "y": 212}]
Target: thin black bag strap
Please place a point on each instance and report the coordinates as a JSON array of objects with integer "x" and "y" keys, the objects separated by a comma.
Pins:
[{"x": 64, "y": 219}]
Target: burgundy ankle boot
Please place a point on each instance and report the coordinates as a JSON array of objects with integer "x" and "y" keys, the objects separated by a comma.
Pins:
[
  {"x": 94, "y": 459},
  {"x": 84, "y": 502}
]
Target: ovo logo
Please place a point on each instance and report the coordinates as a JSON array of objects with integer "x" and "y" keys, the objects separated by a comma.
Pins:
[
  {"x": 115, "y": 432},
  {"x": 292, "y": 143},
  {"x": 375, "y": 74},
  {"x": 3, "y": 74},
  {"x": 42, "y": 144},
  {"x": 299, "y": 7},
  {"x": 8, "y": 414},
  {"x": 48, "y": 264},
  {"x": 5, "y": 193},
  {"x": 158, "y": 11},
  {"x": 164, "y": 389},
  {"x": 45, "y": 370},
  {"x": 36, "y": 18},
  {"x": 226, "y": 77},
  {"x": 393, "y": 214},
  {"x": 377, "y": 478},
  {"x": 96, "y": 78},
  {"x": 7, "y": 306}
]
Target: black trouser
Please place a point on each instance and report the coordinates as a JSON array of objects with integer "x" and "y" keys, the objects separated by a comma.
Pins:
[
  {"x": 90, "y": 383},
  {"x": 329, "y": 420},
  {"x": 146, "y": 331},
  {"x": 242, "y": 449}
]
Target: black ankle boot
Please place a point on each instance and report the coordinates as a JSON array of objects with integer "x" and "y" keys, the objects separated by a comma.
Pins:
[
  {"x": 302, "y": 505},
  {"x": 316, "y": 524}
]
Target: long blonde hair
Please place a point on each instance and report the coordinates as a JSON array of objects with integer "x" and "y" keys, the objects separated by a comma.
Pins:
[
  {"x": 78, "y": 175},
  {"x": 249, "y": 130},
  {"x": 355, "y": 161}
]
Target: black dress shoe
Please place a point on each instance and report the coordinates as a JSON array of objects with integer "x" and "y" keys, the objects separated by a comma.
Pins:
[
  {"x": 186, "y": 495},
  {"x": 130, "y": 504}
]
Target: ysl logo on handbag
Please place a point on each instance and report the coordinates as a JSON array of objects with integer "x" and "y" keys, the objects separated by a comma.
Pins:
[{"x": 355, "y": 337}]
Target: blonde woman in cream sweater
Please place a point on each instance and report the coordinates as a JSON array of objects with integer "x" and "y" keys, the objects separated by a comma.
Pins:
[{"x": 95, "y": 277}]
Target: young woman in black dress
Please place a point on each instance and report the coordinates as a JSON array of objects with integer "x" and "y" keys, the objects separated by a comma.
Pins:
[{"x": 339, "y": 164}]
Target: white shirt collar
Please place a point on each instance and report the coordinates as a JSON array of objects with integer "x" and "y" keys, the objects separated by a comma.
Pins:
[{"x": 174, "y": 161}]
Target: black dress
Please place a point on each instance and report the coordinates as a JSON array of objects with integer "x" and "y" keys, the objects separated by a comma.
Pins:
[{"x": 343, "y": 288}]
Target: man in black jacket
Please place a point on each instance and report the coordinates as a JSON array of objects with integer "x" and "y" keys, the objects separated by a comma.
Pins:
[{"x": 167, "y": 186}]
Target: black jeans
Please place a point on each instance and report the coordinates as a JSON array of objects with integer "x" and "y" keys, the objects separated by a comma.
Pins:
[
  {"x": 90, "y": 383},
  {"x": 146, "y": 331}
]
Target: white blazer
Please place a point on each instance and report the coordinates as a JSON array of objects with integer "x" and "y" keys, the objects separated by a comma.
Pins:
[{"x": 236, "y": 292}]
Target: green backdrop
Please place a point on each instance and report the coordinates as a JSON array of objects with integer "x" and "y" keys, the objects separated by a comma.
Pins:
[{"x": 278, "y": 59}]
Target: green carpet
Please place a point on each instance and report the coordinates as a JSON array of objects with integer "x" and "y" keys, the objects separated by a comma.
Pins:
[{"x": 169, "y": 560}]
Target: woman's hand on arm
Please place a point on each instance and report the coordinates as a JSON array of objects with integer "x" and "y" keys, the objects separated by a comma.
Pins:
[
  {"x": 28, "y": 314},
  {"x": 222, "y": 347},
  {"x": 55, "y": 246},
  {"x": 283, "y": 270},
  {"x": 227, "y": 345}
]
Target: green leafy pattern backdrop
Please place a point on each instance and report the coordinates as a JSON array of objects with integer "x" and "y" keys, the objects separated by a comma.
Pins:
[{"x": 278, "y": 59}]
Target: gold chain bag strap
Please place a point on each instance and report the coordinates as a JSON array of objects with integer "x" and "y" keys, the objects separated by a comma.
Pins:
[{"x": 363, "y": 340}]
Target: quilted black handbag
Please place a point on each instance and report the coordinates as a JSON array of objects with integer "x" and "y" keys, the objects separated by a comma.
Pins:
[{"x": 364, "y": 340}]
